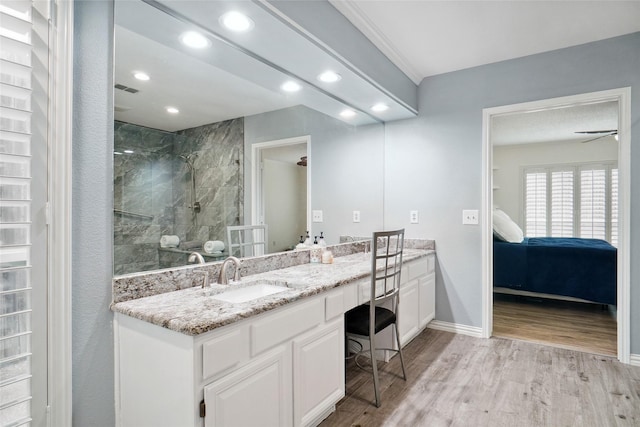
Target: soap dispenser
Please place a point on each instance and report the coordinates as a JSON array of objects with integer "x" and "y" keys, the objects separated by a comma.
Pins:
[
  {"x": 308, "y": 242},
  {"x": 316, "y": 252},
  {"x": 321, "y": 241},
  {"x": 301, "y": 246}
]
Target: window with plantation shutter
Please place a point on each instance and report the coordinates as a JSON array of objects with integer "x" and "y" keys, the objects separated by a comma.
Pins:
[
  {"x": 536, "y": 204},
  {"x": 593, "y": 204},
  {"x": 572, "y": 201},
  {"x": 15, "y": 215},
  {"x": 614, "y": 207},
  {"x": 562, "y": 203}
]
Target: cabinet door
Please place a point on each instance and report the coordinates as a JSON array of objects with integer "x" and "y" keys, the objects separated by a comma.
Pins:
[
  {"x": 408, "y": 312},
  {"x": 258, "y": 394},
  {"x": 427, "y": 299},
  {"x": 318, "y": 372}
]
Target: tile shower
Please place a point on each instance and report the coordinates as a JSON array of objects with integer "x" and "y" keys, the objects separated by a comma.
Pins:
[{"x": 152, "y": 189}]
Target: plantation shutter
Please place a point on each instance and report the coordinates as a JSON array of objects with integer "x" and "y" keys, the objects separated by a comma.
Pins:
[
  {"x": 562, "y": 203},
  {"x": 593, "y": 203},
  {"x": 614, "y": 207},
  {"x": 536, "y": 204},
  {"x": 15, "y": 215}
]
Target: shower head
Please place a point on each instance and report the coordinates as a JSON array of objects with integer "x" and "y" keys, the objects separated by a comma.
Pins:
[{"x": 189, "y": 158}]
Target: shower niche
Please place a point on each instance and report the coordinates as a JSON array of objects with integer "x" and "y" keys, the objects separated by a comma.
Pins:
[{"x": 187, "y": 183}]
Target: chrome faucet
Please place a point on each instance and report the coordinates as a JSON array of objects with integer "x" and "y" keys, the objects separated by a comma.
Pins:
[
  {"x": 223, "y": 270},
  {"x": 205, "y": 279},
  {"x": 195, "y": 257}
]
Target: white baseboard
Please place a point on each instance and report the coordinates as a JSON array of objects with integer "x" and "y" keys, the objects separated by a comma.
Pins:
[
  {"x": 456, "y": 328},
  {"x": 634, "y": 359}
]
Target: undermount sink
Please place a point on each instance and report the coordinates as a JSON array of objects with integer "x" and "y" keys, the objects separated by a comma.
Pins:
[{"x": 249, "y": 293}]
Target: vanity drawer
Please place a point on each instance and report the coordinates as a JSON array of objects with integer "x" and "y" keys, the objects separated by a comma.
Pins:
[
  {"x": 418, "y": 268},
  {"x": 225, "y": 351},
  {"x": 333, "y": 305},
  {"x": 279, "y": 327}
]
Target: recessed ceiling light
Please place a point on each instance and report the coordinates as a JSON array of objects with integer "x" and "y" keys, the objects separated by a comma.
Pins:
[
  {"x": 329, "y": 77},
  {"x": 117, "y": 153},
  {"x": 379, "y": 107},
  {"x": 128, "y": 151},
  {"x": 141, "y": 75},
  {"x": 236, "y": 21},
  {"x": 291, "y": 86},
  {"x": 194, "y": 40},
  {"x": 347, "y": 113},
  {"x": 172, "y": 110}
]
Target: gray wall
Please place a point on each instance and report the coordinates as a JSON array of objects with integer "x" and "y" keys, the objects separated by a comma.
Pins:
[
  {"x": 93, "y": 396},
  {"x": 346, "y": 167},
  {"x": 434, "y": 162}
]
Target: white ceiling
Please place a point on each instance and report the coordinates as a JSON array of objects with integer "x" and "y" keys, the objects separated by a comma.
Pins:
[
  {"x": 555, "y": 125},
  {"x": 424, "y": 38}
]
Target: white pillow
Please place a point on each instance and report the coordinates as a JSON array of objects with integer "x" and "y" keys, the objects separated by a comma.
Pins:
[{"x": 505, "y": 228}]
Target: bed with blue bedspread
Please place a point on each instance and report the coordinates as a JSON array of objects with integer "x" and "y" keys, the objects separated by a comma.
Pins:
[{"x": 567, "y": 267}]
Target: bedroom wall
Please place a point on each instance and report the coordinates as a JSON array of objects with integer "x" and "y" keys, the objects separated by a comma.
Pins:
[
  {"x": 433, "y": 163},
  {"x": 511, "y": 159}
]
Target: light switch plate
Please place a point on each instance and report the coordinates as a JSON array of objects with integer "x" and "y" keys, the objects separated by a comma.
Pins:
[
  {"x": 316, "y": 216},
  {"x": 470, "y": 216},
  {"x": 413, "y": 217},
  {"x": 356, "y": 216}
]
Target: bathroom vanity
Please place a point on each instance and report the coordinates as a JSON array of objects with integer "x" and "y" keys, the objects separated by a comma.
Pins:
[{"x": 185, "y": 358}]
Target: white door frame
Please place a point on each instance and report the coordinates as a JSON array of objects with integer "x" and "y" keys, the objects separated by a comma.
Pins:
[
  {"x": 623, "y": 97},
  {"x": 257, "y": 206}
]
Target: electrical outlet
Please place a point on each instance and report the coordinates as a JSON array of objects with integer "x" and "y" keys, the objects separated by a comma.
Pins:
[
  {"x": 316, "y": 216},
  {"x": 356, "y": 216},
  {"x": 470, "y": 216},
  {"x": 413, "y": 217}
]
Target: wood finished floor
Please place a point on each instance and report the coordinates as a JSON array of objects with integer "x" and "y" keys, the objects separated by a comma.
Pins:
[
  {"x": 457, "y": 380},
  {"x": 576, "y": 326}
]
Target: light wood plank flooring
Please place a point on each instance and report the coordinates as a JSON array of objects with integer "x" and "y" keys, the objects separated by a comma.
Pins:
[
  {"x": 571, "y": 325},
  {"x": 457, "y": 380}
]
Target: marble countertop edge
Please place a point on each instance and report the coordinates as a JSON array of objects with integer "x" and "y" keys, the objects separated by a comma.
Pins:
[{"x": 194, "y": 311}]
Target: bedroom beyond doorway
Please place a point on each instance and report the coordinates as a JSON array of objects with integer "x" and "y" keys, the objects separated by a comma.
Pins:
[{"x": 580, "y": 192}]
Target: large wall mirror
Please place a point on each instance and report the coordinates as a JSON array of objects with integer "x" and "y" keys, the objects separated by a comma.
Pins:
[{"x": 192, "y": 102}]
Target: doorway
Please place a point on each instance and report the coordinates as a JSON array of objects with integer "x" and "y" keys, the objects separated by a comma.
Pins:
[
  {"x": 492, "y": 116},
  {"x": 281, "y": 190}
]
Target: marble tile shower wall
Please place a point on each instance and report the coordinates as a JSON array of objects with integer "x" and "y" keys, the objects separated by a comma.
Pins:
[
  {"x": 219, "y": 180},
  {"x": 152, "y": 188}
]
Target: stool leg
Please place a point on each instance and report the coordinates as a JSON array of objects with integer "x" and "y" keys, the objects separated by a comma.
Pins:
[
  {"x": 374, "y": 366},
  {"x": 404, "y": 374}
]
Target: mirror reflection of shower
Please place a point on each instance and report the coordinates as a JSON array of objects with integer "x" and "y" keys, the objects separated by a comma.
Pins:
[{"x": 194, "y": 204}]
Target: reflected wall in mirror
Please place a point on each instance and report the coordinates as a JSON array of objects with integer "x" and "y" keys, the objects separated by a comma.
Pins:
[{"x": 183, "y": 177}]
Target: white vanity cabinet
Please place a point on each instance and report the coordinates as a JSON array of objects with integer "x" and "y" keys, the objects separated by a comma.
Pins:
[
  {"x": 417, "y": 298},
  {"x": 257, "y": 394},
  {"x": 284, "y": 367}
]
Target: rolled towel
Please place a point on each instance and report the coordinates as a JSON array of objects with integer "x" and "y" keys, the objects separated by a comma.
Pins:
[
  {"x": 169, "y": 241},
  {"x": 213, "y": 246}
]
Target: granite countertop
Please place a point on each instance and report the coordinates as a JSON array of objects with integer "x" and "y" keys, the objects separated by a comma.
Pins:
[{"x": 193, "y": 311}]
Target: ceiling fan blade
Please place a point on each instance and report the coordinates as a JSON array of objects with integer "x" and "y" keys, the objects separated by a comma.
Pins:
[
  {"x": 598, "y": 137},
  {"x": 595, "y": 132}
]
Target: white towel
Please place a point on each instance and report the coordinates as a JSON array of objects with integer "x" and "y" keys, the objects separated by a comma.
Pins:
[
  {"x": 169, "y": 241},
  {"x": 213, "y": 246}
]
